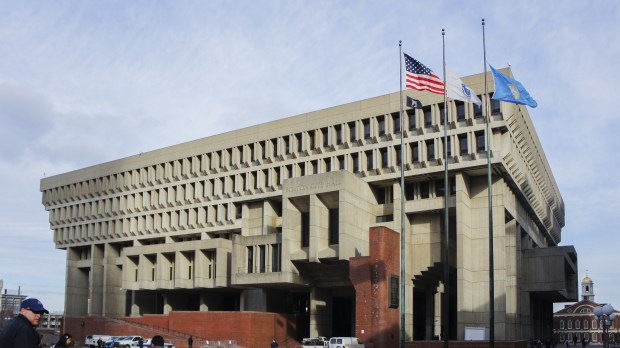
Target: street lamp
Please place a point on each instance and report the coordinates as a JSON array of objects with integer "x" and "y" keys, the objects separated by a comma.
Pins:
[{"x": 605, "y": 316}]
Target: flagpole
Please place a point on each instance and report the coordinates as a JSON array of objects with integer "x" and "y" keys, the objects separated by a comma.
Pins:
[
  {"x": 402, "y": 204},
  {"x": 490, "y": 193},
  {"x": 446, "y": 267}
]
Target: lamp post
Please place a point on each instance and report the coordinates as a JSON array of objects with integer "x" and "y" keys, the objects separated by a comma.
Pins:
[{"x": 605, "y": 316}]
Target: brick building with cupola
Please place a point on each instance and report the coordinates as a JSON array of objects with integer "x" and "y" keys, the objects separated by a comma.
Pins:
[{"x": 577, "y": 322}]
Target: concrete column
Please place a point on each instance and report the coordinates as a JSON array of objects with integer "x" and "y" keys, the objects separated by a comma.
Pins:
[
  {"x": 319, "y": 220},
  {"x": 76, "y": 285},
  {"x": 320, "y": 313}
]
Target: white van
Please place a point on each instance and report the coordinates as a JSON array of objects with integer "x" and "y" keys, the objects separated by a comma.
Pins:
[
  {"x": 345, "y": 342},
  {"x": 91, "y": 340}
]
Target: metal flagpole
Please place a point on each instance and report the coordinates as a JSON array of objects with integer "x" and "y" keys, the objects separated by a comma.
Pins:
[
  {"x": 490, "y": 192},
  {"x": 446, "y": 268},
  {"x": 402, "y": 206}
]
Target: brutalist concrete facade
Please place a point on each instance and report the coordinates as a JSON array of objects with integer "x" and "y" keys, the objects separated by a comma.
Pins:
[{"x": 267, "y": 218}]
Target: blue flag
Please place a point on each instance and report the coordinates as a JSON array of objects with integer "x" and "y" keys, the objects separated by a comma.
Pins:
[{"x": 511, "y": 90}]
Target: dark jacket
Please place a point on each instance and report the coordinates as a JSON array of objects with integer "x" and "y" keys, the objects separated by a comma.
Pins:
[{"x": 19, "y": 334}]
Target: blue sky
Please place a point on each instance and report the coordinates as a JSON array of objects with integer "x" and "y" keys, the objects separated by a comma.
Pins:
[{"x": 85, "y": 82}]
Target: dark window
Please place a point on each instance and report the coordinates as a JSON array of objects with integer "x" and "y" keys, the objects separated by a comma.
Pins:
[
  {"x": 325, "y": 135},
  {"x": 428, "y": 116},
  {"x": 311, "y": 136},
  {"x": 328, "y": 164},
  {"x": 411, "y": 115},
  {"x": 384, "y": 218},
  {"x": 287, "y": 145},
  {"x": 298, "y": 141},
  {"x": 448, "y": 147},
  {"x": 334, "y": 232},
  {"x": 384, "y": 158},
  {"x": 398, "y": 155},
  {"x": 366, "y": 129},
  {"x": 495, "y": 108},
  {"x": 424, "y": 189},
  {"x": 305, "y": 229},
  {"x": 396, "y": 122},
  {"x": 276, "y": 258},
  {"x": 338, "y": 130},
  {"x": 394, "y": 291},
  {"x": 463, "y": 144},
  {"x": 241, "y": 157},
  {"x": 452, "y": 182},
  {"x": 369, "y": 160},
  {"x": 430, "y": 149},
  {"x": 409, "y": 191},
  {"x": 480, "y": 141},
  {"x": 356, "y": 162},
  {"x": 380, "y": 195},
  {"x": 442, "y": 112},
  {"x": 439, "y": 188},
  {"x": 460, "y": 110},
  {"x": 478, "y": 110},
  {"x": 352, "y": 131},
  {"x": 261, "y": 258},
  {"x": 341, "y": 162},
  {"x": 381, "y": 121},
  {"x": 262, "y": 150},
  {"x": 315, "y": 167},
  {"x": 250, "y": 259},
  {"x": 415, "y": 152}
]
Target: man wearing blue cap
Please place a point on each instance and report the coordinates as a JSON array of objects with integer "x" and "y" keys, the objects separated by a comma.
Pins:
[{"x": 21, "y": 332}]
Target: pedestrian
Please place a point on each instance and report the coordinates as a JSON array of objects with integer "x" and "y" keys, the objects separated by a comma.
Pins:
[
  {"x": 21, "y": 332},
  {"x": 274, "y": 344},
  {"x": 567, "y": 344},
  {"x": 65, "y": 341},
  {"x": 100, "y": 343},
  {"x": 190, "y": 341},
  {"x": 157, "y": 341}
]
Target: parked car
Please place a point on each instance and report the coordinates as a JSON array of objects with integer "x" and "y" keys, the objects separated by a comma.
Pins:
[
  {"x": 110, "y": 343},
  {"x": 91, "y": 340},
  {"x": 345, "y": 342},
  {"x": 128, "y": 342},
  {"x": 316, "y": 342}
]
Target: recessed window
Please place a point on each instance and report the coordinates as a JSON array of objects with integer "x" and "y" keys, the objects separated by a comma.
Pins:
[
  {"x": 430, "y": 149},
  {"x": 463, "y": 144},
  {"x": 415, "y": 152},
  {"x": 411, "y": 115},
  {"x": 384, "y": 158},
  {"x": 460, "y": 110},
  {"x": 478, "y": 110},
  {"x": 351, "y": 131},
  {"x": 369, "y": 160},
  {"x": 480, "y": 142},
  {"x": 428, "y": 116},
  {"x": 424, "y": 189},
  {"x": 381, "y": 121},
  {"x": 333, "y": 229},
  {"x": 305, "y": 229},
  {"x": 325, "y": 136},
  {"x": 356, "y": 162},
  {"x": 338, "y": 131},
  {"x": 396, "y": 122},
  {"x": 366, "y": 128}
]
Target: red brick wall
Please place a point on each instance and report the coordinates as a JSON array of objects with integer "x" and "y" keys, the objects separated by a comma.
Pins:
[
  {"x": 370, "y": 277},
  {"x": 249, "y": 329}
]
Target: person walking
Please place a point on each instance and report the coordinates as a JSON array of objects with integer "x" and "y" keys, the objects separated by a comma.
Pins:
[
  {"x": 274, "y": 344},
  {"x": 190, "y": 341},
  {"x": 21, "y": 332}
]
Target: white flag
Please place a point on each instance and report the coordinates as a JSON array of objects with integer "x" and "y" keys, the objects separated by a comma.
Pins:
[{"x": 459, "y": 90}]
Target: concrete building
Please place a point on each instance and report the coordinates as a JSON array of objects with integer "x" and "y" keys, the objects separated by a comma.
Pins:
[{"x": 272, "y": 218}]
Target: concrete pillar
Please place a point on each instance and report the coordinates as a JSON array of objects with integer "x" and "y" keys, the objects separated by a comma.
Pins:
[{"x": 320, "y": 313}]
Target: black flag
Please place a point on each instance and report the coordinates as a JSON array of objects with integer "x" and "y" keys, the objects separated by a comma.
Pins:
[{"x": 413, "y": 103}]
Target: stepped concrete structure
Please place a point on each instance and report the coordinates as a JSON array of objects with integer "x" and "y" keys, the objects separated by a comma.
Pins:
[{"x": 281, "y": 217}]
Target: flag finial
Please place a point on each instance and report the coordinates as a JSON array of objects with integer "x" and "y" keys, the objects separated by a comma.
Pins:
[
  {"x": 443, "y": 31},
  {"x": 482, "y": 21}
]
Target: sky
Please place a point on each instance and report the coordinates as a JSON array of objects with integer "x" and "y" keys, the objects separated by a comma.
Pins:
[{"x": 86, "y": 82}]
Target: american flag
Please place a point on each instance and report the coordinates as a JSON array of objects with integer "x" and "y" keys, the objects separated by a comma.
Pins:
[{"x": 422, "y": 78}]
